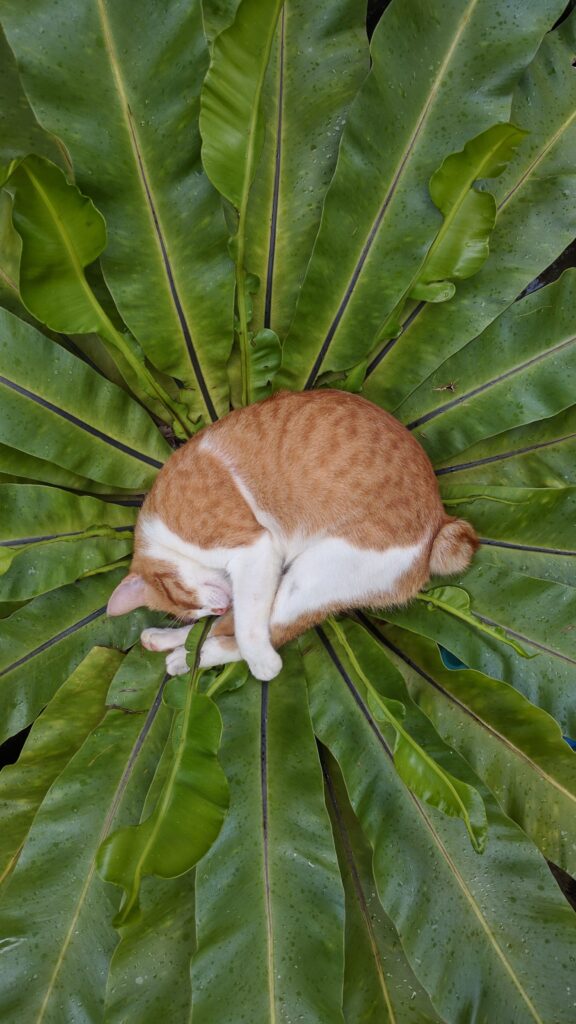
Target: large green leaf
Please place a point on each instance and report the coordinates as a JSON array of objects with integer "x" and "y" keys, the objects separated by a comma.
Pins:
[
  {"x": 56, "y": 911},
  {"x": 537, "y": 614},
  {"x": 140, "y": 164},
  {"x": 529, "y": 530},
  {"x": 20, "y": 132},
  {"x": 536, "y": 199},
  {"x": 62, "y": 234},
  {"x": 378, "y": 216},
  {"x": 230, "y": 116},
  {"x": 520, "y": 369},
  {"x": 540, "y": 454},
  {"x": 269, "y": 902},
  {"x": 42, "y": 643},
  {"x": 517, "y": 749},
  {"x": 324, "y": 47},
  {"x": 379, "y": 985},
  {"x": 387, "y": 699},
  {"x": 78, "y": 534},
  {"x": 487, "y": 962},
  {"x": 48, "y": 410},
  {"x": 55, "y": 737},
  {"x": 232, "y": 137},
  {"x": 190, "y": 808},
  {"x": 20, "y": 467},
  {"x": 149, "y": 975},
  {"x": 150, "y": 969}
]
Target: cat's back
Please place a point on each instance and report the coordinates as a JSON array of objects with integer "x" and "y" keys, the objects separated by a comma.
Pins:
[{"x": 329, "y": 461}]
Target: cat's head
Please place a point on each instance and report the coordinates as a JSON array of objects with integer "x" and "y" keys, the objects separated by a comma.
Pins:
[{"x": 160, "y": 587}]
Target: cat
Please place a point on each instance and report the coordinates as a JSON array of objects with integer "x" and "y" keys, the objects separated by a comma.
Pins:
[{"x": 281, "y": 513}]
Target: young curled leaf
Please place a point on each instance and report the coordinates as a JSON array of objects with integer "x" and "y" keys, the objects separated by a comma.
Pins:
[
  {"x": 461, "y": 245},
  {"x": 62, "y": 235}
]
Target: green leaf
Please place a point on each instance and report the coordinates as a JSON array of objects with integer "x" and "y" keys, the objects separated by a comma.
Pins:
[
  {"x": 265, "y": 356},
  {"x": 42, "y": 643},
  {"x": 141, "y": 166},
  {"x": 135, "y": 684},
  {"x": 415, "y": 765},
  {"x": 217, "y": 15},
  {"x": 323, "y": 45},
  {"x": 379, "y": 985},
  {"x": 537, "y": 613},
  {"x": 55, "y": 907},
  {"x": 539, "y": 454},
  {"x": 10, "y": 247},
  {"x": 62, "y": 233},
  {"x": 520, "y": 369},
  {"x": 77, "y": 535},
  {"x": 476, "y": 913},
  {"x": 456, "y": 601},
  {"x": 514, "y": 747},
  {"x": 55, "y": 737},
  {"x": 232, "y": 132},
  {"x": 528, "y": 529},
  {"x": 188, "y": 815},
  {"x": 536, "y": 199},
  {"x": 47, "y": 410},
  {"x": 150, "y": 969},
  {"x": 408, "y": 116},
  {"x": 269, "y": 902},
  {"x": 461, "y": 246},
  {"x": 20, "y": 132}
]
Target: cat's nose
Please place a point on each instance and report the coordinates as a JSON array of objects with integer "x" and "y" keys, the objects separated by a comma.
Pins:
[{"x": 220, "y": 611}]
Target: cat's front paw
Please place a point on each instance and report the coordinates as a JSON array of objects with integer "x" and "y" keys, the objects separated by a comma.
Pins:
[
  {"x": 176, "y": 663},
  {"x": 265, "y": 666},
  {"x": 153, "y": 639}
]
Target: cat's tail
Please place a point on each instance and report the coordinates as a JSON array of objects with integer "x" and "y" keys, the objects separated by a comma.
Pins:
[{"x": 453, "y": 547}]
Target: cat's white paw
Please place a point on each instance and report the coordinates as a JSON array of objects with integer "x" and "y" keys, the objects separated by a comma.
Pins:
[
  {"x": 152, "y": 639},
  {"x": 216, "y": 651},
  {"x": 176, "y": 663},
  {"x": 164, "y": 639},
  {"x": 265, "y": 666}
]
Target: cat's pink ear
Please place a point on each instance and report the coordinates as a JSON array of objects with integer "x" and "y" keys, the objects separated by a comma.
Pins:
[{"x": 132, "y": 592}]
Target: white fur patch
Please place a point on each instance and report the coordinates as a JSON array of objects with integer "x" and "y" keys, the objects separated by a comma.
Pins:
[{"x": 332, "y": 571}]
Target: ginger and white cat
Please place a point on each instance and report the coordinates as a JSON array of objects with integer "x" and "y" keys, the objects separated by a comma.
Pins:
[{"x": 288, "y": 510}]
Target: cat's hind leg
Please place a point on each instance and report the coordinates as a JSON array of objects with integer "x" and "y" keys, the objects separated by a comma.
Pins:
[{"x": 164, "y": 639}]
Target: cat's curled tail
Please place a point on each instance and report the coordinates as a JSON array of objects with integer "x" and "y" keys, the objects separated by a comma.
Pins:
[{"x": 453, "y": 547}]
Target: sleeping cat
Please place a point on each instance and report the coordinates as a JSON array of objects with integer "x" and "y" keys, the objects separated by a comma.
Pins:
[{"x": 301, "y": 505}]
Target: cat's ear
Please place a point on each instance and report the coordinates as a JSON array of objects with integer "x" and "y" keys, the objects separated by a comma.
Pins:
[{"x": 132, "y": 592}]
